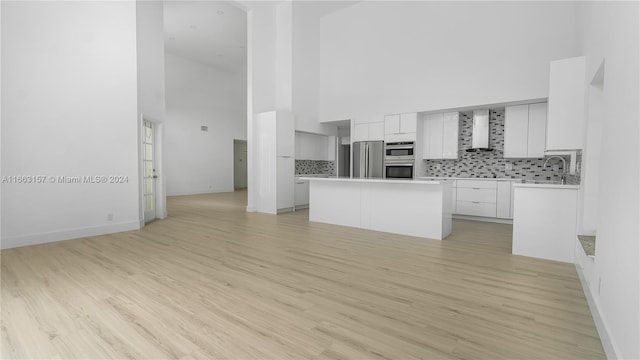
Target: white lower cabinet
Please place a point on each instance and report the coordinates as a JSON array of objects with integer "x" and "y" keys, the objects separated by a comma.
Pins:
[
  {"x": 454, "y": 196},
  {"x": 476, "y": 208},
  {"x": 486, "y": 198},
  {"x": 503, "y": 200},
  {"x": 545, "y": 225},
  {"x": 476, "y": 197},
  {"x": 301, "y": 193}
]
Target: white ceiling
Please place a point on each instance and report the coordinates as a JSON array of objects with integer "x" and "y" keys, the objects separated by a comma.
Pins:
[{"x": 210, "y": 32}]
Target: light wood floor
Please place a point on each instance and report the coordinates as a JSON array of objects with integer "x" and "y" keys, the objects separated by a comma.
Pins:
[{"x": 213, "y": 281}]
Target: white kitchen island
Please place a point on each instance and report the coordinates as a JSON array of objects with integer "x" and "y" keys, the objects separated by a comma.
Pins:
[{"x": 408, "y": 207}]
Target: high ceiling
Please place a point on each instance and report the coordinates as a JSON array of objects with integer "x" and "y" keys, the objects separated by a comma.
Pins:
[{"x": 210, "y": 32}]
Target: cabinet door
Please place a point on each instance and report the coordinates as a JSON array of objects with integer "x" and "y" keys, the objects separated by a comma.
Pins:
[
  {"x": 321, "y": 147},
  {"x": 332, "y": 142},
  {"x": 503, "y": 200},
  {"x": 450, "y": 136},
  {"x": 298, "y": 142},
  {"x": 454, "y": 196},
  {"x": 426, "y": 134},
  {"x": 392, "y": 124},
  {"x": 537, "y": 130},
  {"x": 516, "y": 124},
  {"x": 435, "y": 136},
  {"x": 376, "y": 131},
  {"x": 408, "y": 123},
  {"x": 566, "y": 122},
  {"x": 512, "y": 198},
  {"x": 301, "y": 193},
  {"x": 285, "y": 176},
  {"x": 360, "y": 132}
]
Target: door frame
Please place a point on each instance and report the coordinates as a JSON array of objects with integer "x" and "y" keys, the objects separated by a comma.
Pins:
[{"x": 161, "y": 188}]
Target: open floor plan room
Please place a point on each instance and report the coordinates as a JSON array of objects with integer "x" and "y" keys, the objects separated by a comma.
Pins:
[{"x": 213, "y": 281}]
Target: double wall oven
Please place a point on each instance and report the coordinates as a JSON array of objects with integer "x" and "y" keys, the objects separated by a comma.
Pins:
[{"x": 399, "y": 160}]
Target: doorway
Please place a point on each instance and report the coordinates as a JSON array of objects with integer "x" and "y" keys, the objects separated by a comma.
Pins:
[
  {"x": 148, "y": 171},
  {"x": 239, "y": 164}
]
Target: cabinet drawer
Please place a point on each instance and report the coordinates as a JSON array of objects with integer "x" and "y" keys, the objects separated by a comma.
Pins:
[
  {"x": 480, "y": 184},
  {"x": 475, "y": 208},
  {"x": 477, "y": 194}
]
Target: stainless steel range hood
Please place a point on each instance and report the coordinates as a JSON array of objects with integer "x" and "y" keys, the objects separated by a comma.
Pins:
[{"x": 480, "y": 131}]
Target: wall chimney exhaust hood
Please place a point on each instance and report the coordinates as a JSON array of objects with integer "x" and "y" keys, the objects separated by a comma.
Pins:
[{"x": 480, "y": 131}]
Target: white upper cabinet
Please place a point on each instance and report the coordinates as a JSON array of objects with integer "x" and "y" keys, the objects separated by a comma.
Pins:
[
  {"x": 408, "y": 123},
  {"x": 400, "y": 127},
  {"x": 392, "y": 124},
  {"x": 566, "y": 122},
  {"x": 516, "y": 124},
  {"x": 450, "y": 124},
  {"x": 524, "y": 131},
  {"x": 376, "y": 131},
  {"x": 537, "y": 130},
  {"x": 440, "y": 136},
  {"x": 368, "y": 132},
  {"x": 314, "y": 146}
]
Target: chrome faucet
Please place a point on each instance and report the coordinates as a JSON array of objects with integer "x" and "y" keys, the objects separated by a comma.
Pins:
[{"x": 563, "y": 176}]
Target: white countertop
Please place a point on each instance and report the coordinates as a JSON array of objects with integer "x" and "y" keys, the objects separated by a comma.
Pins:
[
  {"x": 385, "y": 181},
  {"x": 548, "y": 186},
  {"x": 462, "y": 178},
  {"x": 314, "y": 175}
]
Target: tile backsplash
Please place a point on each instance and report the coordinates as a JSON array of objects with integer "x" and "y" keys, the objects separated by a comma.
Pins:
[
  {"x": 491, "y": 164},
  {"x": 308, "y": 167}
]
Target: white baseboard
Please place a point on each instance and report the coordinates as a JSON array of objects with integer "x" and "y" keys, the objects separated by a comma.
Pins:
[
  {"x": 8, "y": 242},
  {"x": 601, "y": 326},
  {"x": 482, "y": 218}
]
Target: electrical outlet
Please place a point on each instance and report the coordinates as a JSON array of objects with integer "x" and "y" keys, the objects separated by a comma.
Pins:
[
  {"x": 109, "y": 217},
  {"x": 508, "y": 166},
  {"x": 556, "y": 168},
  {"x": 438, "y": 166}
]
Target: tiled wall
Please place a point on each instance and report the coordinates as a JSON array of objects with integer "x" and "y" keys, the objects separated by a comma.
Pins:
[
  {"x": 491, "y": 164},
  {"x": 307, "y": 167}
]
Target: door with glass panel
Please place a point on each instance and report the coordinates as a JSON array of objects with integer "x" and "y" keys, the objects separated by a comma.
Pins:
[{"x": 149, "y": 172}]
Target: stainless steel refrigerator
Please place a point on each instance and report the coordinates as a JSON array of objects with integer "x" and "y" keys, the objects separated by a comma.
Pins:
[{"x": 368, "y": 159}]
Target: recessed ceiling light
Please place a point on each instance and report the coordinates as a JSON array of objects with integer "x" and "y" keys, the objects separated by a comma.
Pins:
[{"x": 220, "y": 12}]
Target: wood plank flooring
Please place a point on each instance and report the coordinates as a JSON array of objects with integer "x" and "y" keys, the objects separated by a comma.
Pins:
[{"x": 213, "y": 281}]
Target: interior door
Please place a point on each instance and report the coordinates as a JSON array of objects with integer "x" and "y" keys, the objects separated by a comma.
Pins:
[
  {"x": 239, "y": 164},
  {"x": 149, "y": 171}
]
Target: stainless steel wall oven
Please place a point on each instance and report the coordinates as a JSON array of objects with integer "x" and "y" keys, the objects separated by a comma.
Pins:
[{"x": 399, "y": 160}]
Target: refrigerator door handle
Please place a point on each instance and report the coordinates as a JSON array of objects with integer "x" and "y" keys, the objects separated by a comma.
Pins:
[{"x": 366, "y": 161}]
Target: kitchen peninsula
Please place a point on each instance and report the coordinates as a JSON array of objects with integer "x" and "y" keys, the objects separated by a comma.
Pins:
[{"x": 408, "y": 207}]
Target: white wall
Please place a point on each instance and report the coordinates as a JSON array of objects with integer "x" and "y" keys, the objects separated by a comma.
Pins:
[
  {"x": 197, "y": 94},
  {"x": 306, "y": 62},
  {"x": 69, "y": 99},
  {"x": 612, "y": 35},
  {"x": 151, "y": 89},
  {"x": 387, "y": 57},
  {"x": 150, "y": 46},
  {"x": 261, "y": 79}
]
